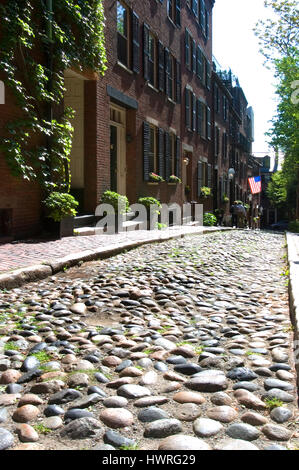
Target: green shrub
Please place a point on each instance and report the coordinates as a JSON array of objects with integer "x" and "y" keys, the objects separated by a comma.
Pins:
[
  {"x": 209, "y": 219},
  {"x": 117, "y": 201},
  {"x": 149, "y": 201},
  {"x": 294, "y": 226},
  {"x": 60, "y": 205}
]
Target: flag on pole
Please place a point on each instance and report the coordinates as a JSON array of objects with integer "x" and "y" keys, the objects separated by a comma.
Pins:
[{"x": 255, "y": 184}]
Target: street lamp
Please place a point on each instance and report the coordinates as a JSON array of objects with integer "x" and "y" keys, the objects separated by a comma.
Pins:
[{"x": 231, "y": 174}]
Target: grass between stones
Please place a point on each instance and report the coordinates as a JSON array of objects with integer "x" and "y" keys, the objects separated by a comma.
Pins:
[{"x": 272, "y": 403}]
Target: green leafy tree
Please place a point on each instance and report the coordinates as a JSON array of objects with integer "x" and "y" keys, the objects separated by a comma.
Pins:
[
  {"x": 39, "y": 40},
  {"x": 279, "y": 40}
]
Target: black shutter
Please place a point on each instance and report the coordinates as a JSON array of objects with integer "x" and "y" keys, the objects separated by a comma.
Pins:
[
  {"x": 193, "y": 112},
  {"x": 202, "y": 15},
  {"x": 199, "y": 178},
  {"x": 193, "y": 56},
  {"x": 167, "y": 156},
  {"x": 146, "y": 151},
  {"x": 178, "y": 157},
  {"x": 146, "y": 51},
  {"x": 169, "y": 8},
  {"x": 207, "y": 24},
  {"x": 135, "y": 43},
  {"x": 200, "y": 118},
  {"x": 167, "y": 71},
  {"x": 187, "y": 108},
  {"x": 209, "y": 70},
  {"x": 195, "y": 7},
  {"x": 209, "y": 125},
  {"x": 178, "y": 82},
  {"x": 187, "y": 50},
  {"x": 161, "y": 72},
  {"x": 161, "y": 148},
  {"x": 178, "y": 12},
  {"x": 209, "y": 176},
  {"x": 199, "y": 63}
]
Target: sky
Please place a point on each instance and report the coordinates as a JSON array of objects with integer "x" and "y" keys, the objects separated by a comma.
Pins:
[{"x": 235, "y": 46}]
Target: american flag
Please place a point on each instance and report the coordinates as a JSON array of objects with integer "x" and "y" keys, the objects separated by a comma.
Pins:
[{"x": 255, "y": 184}]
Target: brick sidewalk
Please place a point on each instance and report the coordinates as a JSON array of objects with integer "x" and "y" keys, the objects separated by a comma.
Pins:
[{"x": 30, "y": 252}]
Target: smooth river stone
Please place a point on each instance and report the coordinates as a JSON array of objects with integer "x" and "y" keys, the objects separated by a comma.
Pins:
[
  {"x": 184, "y": 443},
  {"x": 224, "y": 414},
  {"x": 204, "y": 427},
  {"x": 208, "y": 381},
  {"x": 189, "y": 397},
  {"x": 117, "y": 417},
  {"x": 187, "y": 412},
  {"x": 249, "y": 400},
  {"x": 163, "y": 428},
  {"x": 133, "y": 391}
]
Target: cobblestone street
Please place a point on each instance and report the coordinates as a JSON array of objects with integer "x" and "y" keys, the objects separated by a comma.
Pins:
[{"x": 184, "y": 345}]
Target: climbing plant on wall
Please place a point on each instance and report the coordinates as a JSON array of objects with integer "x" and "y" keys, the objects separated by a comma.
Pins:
[{"x": 39, "y": 40}]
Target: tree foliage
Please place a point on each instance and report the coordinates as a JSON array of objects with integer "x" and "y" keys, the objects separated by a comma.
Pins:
[
  {"x": 279, "y": 40},
  {"x": 37, "y": 45}
]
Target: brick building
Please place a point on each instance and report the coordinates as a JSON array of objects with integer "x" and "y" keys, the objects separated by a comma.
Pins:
[{"x": 160, "y": 108}]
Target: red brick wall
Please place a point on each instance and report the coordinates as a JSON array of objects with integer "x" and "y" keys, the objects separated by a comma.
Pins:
[
  {"x": 15, "y": 193},
  {"x": 151, "y": 103}
]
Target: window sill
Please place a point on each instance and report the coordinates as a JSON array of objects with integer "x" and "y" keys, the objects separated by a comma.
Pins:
[
  {"x": 153, "y": 87},
  {"x": 171, "y": 100},
  {"x": 120, "y": 64},
  {"x": 151, "y": 183}
]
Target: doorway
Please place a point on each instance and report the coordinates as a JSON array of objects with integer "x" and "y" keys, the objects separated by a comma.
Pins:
[{"x": 118, "y": 166}]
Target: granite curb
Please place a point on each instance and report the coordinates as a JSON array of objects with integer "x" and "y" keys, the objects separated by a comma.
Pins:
[
  {"x": 18, "y": 277},
  {"x": 293, "y": 258}
]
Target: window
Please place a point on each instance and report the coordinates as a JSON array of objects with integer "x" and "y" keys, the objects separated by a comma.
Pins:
[
  {"x": 123, "y": 34},
  {"x": 190, "y": 110},
  {"x": 174, "y": 11},
  {"x": 152, "y": 60},
  {"x": 217, "y": 98},
  {"x": 170, "y": 81}
]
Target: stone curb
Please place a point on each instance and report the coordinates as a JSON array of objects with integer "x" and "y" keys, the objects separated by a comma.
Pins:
[
  {"x": 37, "y": 272},
  {"x": 293, "y": 258}
]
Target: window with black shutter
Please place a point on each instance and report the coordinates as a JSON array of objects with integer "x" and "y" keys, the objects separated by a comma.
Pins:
[
  {"x": 167, "y": 72},
  {"x": 146, "y": 51},
  {"x": 152, "y": 70},
  {"x": 174, "y": 11},
  {"x": 187, "y": 49},
  {"x": 135, "y": 43},
  {"x": 122, "y": 18},
  {"x": 161, "y": 67},
  {"x": 207, "y": 24},
  {"x": 178, "y": 78}
]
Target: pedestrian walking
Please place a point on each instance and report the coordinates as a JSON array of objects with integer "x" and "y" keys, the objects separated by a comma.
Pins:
[{"x": 233, "y": 211}]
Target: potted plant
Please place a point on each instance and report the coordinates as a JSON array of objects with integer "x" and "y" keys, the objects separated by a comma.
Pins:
[
  {"x": 154, "y": 178},
  {"x": 174, "y": 179},
  {"x": 119, "y": 205},
  {"x": 209, "y": 220},
  {"x": 205, "y": 192},
  {"x": 61, "y": 208},
  {"x": 149, "y": 202}
]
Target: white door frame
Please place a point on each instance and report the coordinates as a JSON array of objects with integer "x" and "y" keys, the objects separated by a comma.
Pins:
[{"x": 120, "y": 124}]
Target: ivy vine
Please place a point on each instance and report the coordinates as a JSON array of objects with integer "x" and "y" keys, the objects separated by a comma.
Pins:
[{"x": 39, "y": 40}]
